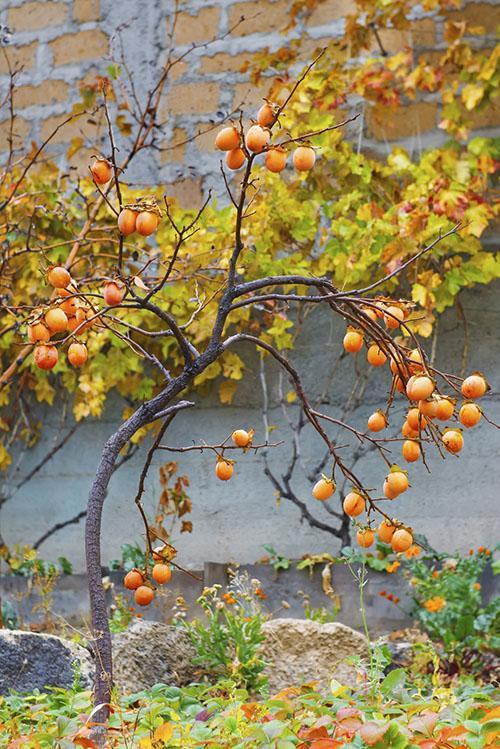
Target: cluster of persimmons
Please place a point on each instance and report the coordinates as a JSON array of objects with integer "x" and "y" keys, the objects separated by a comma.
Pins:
[
  {"x": 68, "y": 313},
  {"x": 257, "y": 139},
  {"x": 427, "y": 405},
  {"x": 142, "y": 584}
]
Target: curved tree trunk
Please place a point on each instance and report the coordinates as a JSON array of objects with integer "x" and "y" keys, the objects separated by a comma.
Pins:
[{"x": 157, "y": 408}]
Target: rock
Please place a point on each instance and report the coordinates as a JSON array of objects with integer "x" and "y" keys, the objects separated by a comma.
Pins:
[
  {"x": 149, "y": 653},
  {"x": 30, "y": 660},
  {"x": 302, "y": 650}
]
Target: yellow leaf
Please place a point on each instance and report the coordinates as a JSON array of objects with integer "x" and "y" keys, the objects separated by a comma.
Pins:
[
  {"x": 74, "y": 146},
  {"x": 164, "y": 732},
  {"x": 472, "y": 95},
  {"x": 291, "y": 396},
  {"x": 146, "y": 744},
  {"x": 227, "y": 389}
]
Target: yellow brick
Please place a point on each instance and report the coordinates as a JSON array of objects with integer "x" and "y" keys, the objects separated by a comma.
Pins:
[
  {"x": 20, "y": 133},
  {"x": 187, "y": 192},
  {"x": 403, "y": 122},
  {"x": 179, "y": 69},
  {"x": 422, "y": 33},
  {"x": 38, "y": 15},
  {"x": 258, "y": 17},
  {"x": 47, "y": 92},
  {"x": 19, "y": 57},
  {"x": 175, "y": 148},
  {"x": 193, "y": 98},
  {"x": 478, "y": 14},
  {"x": 86, "y": 10},
  {"x": 80, "y": 127},
  {"x": 222, "y": 63},
  {"x": 309, "y": 47},
  {"x": 331, "y": 10},
  {"x": 248, "y": 96},
  {"x": 84, "y": 45},
  {"x": 199, "y": 28},
  {"x": 487, "y": 117}
]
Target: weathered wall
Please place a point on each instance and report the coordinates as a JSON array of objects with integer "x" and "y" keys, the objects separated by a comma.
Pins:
[
  {"x": 63, "y": 43},
  {"x": 456, "y": 506}
]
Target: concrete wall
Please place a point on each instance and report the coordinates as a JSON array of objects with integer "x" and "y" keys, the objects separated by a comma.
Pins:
[
  {"x": 63, "y": 44},
  {"x": 456, "y": 506}
]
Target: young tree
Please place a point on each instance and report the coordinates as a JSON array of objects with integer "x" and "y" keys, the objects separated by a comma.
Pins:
[
  {"x": 183, "y": 306},
  {"x": 373, "y": 320}
]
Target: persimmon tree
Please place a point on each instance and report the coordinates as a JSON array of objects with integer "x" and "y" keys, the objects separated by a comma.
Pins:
[
  {"x": 133, "y": 306},
  {"x": 155, "y": 318}
]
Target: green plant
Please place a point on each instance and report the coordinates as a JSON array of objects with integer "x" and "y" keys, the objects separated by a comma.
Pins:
[
  {"x": 446, "y": 591},
  {"x": 120, "y": 616},
  {"x": 132, "y": 555},
  {"x": 278, "y": 561},
  {"x": 223, "y": 716},
  {"x": 227, "y": 640}
]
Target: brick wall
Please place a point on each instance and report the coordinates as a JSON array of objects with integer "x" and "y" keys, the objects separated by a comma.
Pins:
[{"x": 62, "y": 43}]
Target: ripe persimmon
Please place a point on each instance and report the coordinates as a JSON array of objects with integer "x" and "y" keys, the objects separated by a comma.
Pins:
[
  {"x": 38, "y": 332},
  {"x": 304, "y": 158},
  {"x": 411, "y": 451},
  {"x": 146, "y": 223},
  {"x": 235, "y": 158},
  {"x": 127, "y": 221},
  {"x": 275, "y": 159},
  {"x": 469, "y": 415},
  {"x": 419, "y": 387},
  {"x": 46, "y": 356},
  {"x": 444, "y": 409},
  {"x": 428, "y": 408},
  {"x": 227, "y": 139},
  {"x": 474, "y": 386},
  {"x": 73, "y": 324},
  {"x": 241, "y": 437},
  {"x": 370, "y": 312},
  {"x": 453, "y": 440},
  {"x": 77, "y": 354},
  {"x": 354, "y": 504},
  {"x": 102, "y": 171},
  {"x": 161, "y": 573},
  {"x": 376, "y": 356},
  {"x": 365, "y": 537},
  {"x": 323, "y": 489},
  {"x": 353, "y": 341},
  {"x": 257, "y": 138},
  {"x": 385, "y": 531},
  {"x": 143, "y": 595},
  {"x": 401, "y": 540},
  {"x": 397, "y": 482},
  {"x": 224, "y": 470},
  {"x": 133, "y": 579},
  {"x": 408, "y": 432},
  {"x": 113, "y": 293},
  {"x": 56, "y": 320},
  {"x": 377, "y": 421},
  {"x": 416, "y": 420},
  {"x": 416, "y": 360},
  {"x": 265, "y": 115},
  {"x": 69, "y": 305},
  {"x": 393, "y": 317},
  {"x": 59, "y": 277}
]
